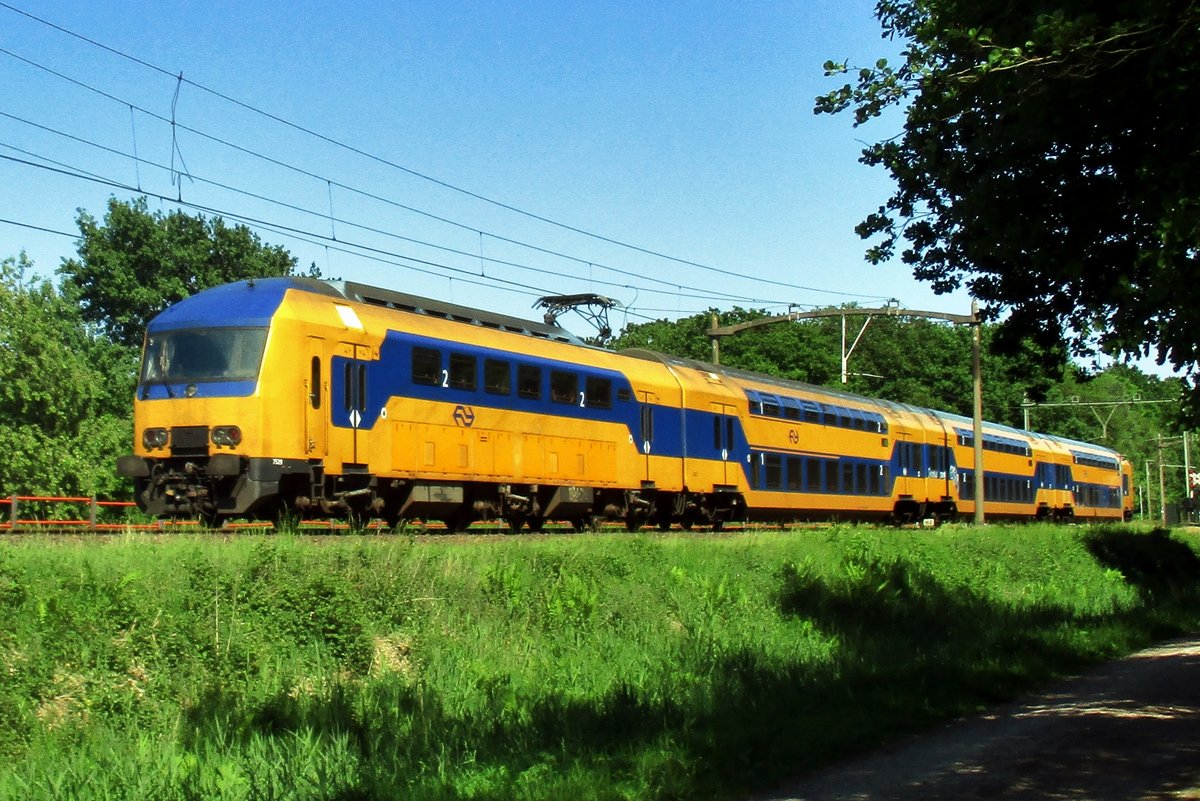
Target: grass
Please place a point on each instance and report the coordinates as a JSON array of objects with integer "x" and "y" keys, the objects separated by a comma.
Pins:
[{"x": 595, "y": 667}]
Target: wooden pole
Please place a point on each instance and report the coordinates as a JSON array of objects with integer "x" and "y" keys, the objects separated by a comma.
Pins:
[{"x": 977, "y": 413}]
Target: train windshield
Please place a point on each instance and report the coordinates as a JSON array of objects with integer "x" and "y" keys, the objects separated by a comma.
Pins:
[{"x": 204, "y": 354}]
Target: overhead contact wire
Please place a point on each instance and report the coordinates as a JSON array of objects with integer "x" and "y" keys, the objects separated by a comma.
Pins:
[{"x": 417, "y": 174}]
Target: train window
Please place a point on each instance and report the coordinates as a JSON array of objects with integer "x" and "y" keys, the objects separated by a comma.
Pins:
[
  {"x": 426, "y": 365},
  {"x": 564, "y": 387},
  {"x": 717, "y": 433},
  {"x": 362, "y": 387},
  {"x": 791, "y": 409},
  {"x": 497, "y": 377},
  {"x": 773, "y": 470},
  {"x": 812, "y": 475},
  {"x": 729, "y": 432},
  {"x": 770, "y": 406},
  {"x": 793, "y": 473},
  {"x": 847, "y": 477},
  {"x": 884, "y": 476},
  {"x": 843, "y": 419},
  {"x": 314, "y": 384},
  {"x": 529, "y": 381},
  {"x": 598, "y": 392},
  {"x": 860, "y": 478},
  {"x": 215, "y": 354},
  {"x": 624, "y": 394},
  {"x": 811, "y": 413},
  {"x": 348, "y": 386},
  {"x": 462, "y": 371}
]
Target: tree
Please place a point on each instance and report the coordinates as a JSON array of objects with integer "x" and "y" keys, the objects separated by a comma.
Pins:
[
  {"x": 136, "y": 264},
  {"x": 1048, "y": 161},
  {"x": 64, "y": 392},
  {"x": 796, "y": 352}
]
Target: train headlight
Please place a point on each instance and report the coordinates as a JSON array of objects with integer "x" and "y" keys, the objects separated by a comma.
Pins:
[
  {"x": 154, "y": 438},
  {"x": 227, "y": 436}
]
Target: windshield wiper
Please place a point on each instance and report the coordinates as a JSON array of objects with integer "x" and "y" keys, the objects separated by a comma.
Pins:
[{"x": 166, "y": 385}]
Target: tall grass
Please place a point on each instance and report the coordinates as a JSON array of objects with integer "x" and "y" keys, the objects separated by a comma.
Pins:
[{"x": 630, "y": 667}]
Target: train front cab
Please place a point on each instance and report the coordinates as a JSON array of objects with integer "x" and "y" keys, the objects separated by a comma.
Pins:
[{"x": 215, "y": 420}]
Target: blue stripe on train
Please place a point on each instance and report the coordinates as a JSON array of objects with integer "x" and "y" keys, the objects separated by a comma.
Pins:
[{"x": 391, "y": 376}]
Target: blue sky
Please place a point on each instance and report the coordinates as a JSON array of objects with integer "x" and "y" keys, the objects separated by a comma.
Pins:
[{"x": 684, "y": 129}]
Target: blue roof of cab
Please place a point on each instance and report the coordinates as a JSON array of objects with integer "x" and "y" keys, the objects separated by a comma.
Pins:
[{"x": 242, "y": 304}]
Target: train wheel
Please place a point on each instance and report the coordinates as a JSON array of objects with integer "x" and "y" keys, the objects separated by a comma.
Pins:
[
  {"x": 536, "y": 523},
  {"x": 582, "y": 524},
  {"x": 213, "y": 520},
  {"x": 516, "y": 522}
]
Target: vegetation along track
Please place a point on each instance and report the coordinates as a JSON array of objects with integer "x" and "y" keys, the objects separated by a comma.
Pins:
[{"x": 643, "y": 666}]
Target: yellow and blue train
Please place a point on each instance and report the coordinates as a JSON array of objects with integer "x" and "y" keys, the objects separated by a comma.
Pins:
[{"x": 296, "y": 396}]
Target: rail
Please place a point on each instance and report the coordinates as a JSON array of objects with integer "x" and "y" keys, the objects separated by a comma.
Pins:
[{"x": 13, "y": 522}]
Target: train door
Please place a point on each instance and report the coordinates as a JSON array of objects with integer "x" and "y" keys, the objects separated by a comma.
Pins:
[
  {"x": 723, "y": 428},
  {"x": 316, "y": 405},
  {"x": 348, "y": 380},
  {"x": 942, "y": 467},
  {"x": 646, "y": 427}
]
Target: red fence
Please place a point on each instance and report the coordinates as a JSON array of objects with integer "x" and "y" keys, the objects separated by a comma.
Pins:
[{"x": 15, "y": 522}]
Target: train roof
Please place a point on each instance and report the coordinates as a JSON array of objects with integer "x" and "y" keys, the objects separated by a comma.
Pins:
[
  {"x": 402, "y": 301},
  {"x": 241, "y": 304},
  {"x": 252, "y": 303}
]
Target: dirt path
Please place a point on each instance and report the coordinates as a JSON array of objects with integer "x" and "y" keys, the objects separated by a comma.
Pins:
[{"x": 1129, "y": 731}]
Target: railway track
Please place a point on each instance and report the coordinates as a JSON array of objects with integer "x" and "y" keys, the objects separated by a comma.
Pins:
[{"x": 19, "y": 516}]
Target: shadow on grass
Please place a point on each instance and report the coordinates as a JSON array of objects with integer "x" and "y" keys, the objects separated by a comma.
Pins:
[
  {"x": 911, "y": 652},
  {"x": 1159, "y": 567}
]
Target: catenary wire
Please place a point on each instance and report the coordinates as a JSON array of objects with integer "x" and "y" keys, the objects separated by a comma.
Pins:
[
  {"x": 175, "y": 125},
  {"x": 713, "y": 294},
  {"x": 361, "y": 250},
  {"x": 378, "y": 159}
]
